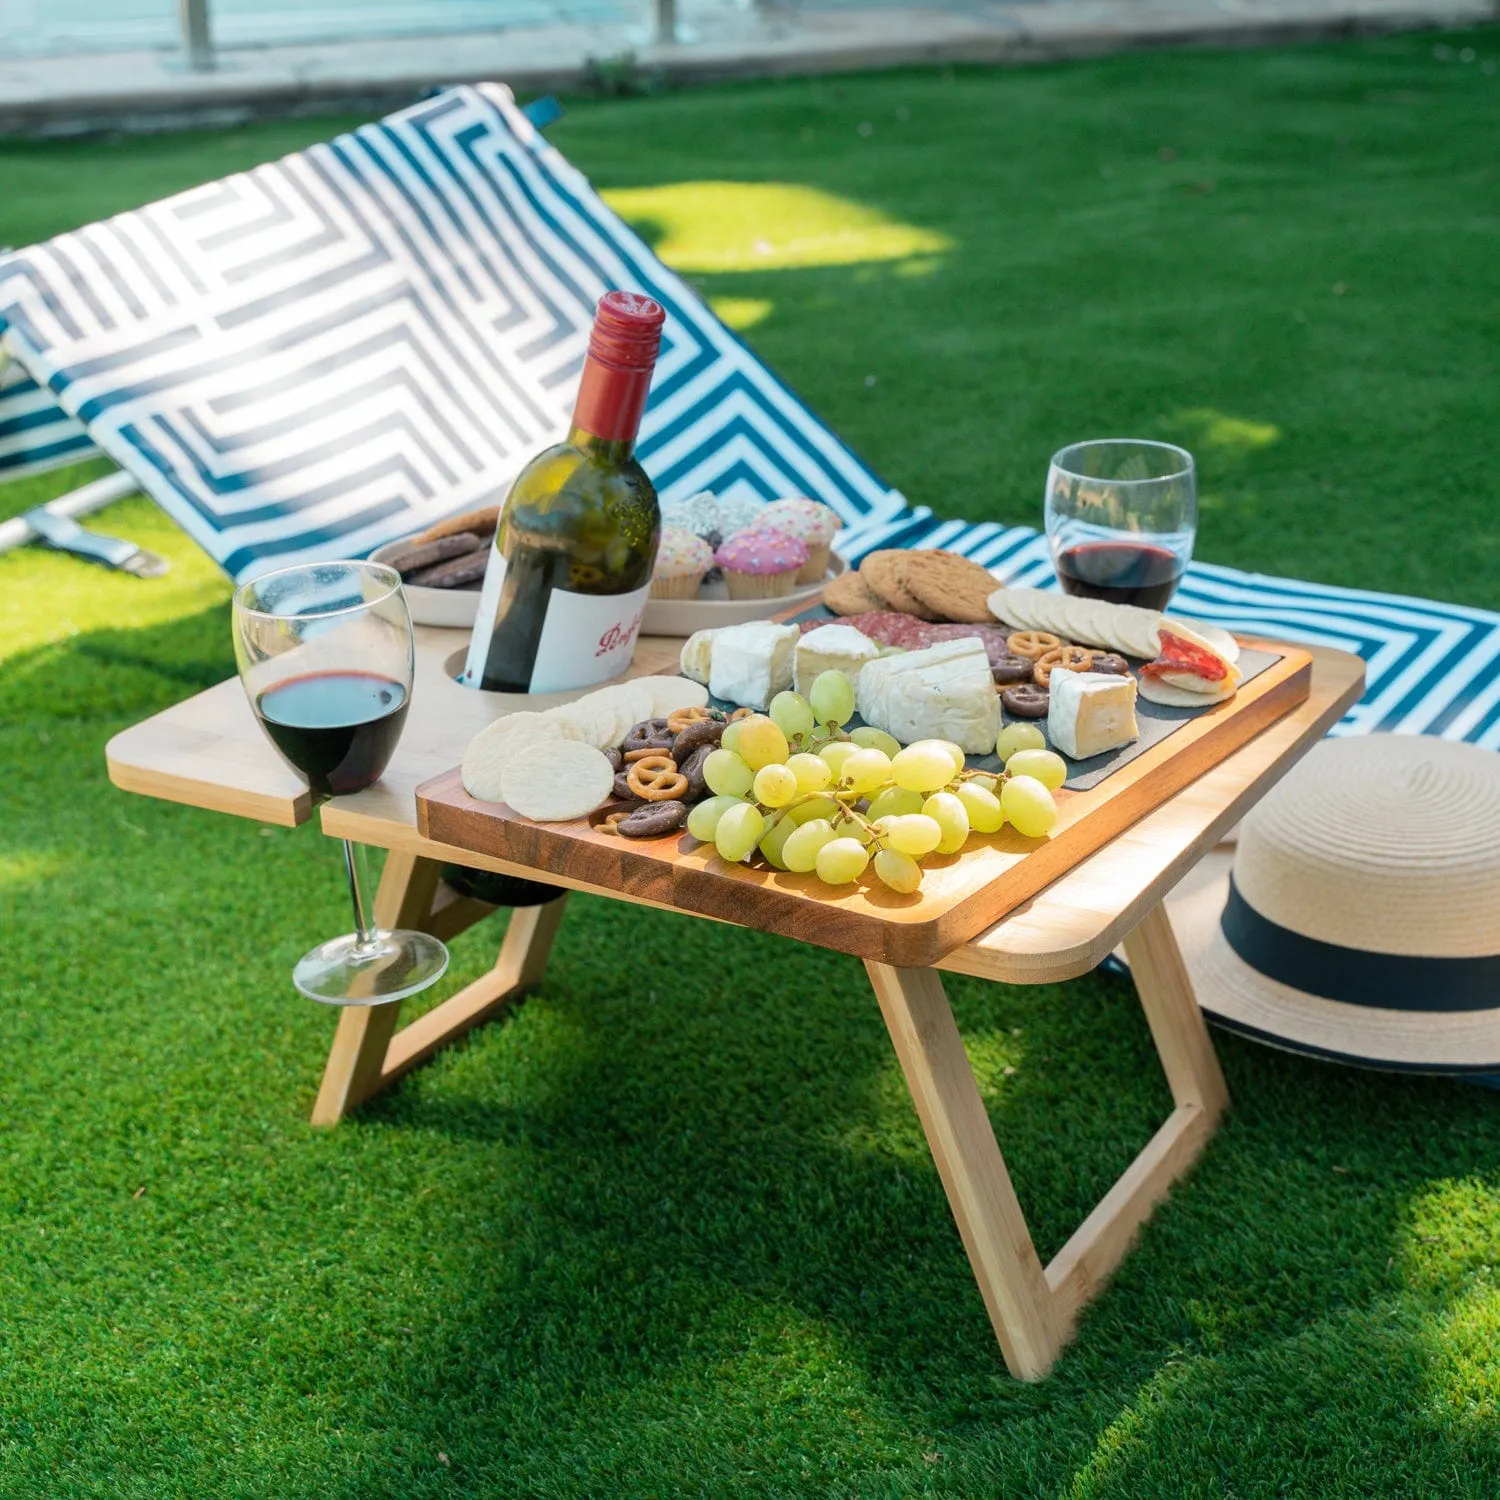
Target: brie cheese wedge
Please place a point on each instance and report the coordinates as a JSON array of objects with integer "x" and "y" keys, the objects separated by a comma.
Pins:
[
  {"x": 944, "y": 692},
  {"x": 695, "y": 653},
  {"x": 832, "y": 648},
  {"x": 1089, "y": 713},
  {"x": 749, "y": 664}
]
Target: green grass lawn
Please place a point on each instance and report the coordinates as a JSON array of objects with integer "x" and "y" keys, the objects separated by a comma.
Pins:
[{"x": 672, "y": 1228}]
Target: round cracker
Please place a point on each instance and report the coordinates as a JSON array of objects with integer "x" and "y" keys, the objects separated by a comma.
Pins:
[
  {"x": 557, "y": 782},
  {"x": 492, "y": 749},
  {"x": 950, "y": 586},
  {"x": 1018, "y": 603},
  {"x": 1137, "y": 629},
  {"x": 886, "y": 571},
  {"x": 1087, "y": 621},
  {"x": 668, "y": 694},
  {"x": 1176, "y": 697},
  {"x": 1050, "y": 612}
]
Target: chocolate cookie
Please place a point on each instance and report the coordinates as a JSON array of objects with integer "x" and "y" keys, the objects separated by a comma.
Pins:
[
  {"x": 454, "y": 573},
  {"x": 482, "y": 522},
  {"x": 949, "y": 586},
  {"x": 1026, "y": 701},
  {"x": 1008, "y": 670},
  {"x": 412, "y": 557},
  {"x": 1110, "y": 661}
]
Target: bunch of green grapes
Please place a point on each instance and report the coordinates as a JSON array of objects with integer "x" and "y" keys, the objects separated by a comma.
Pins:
[{"x": 812, "y": 798}]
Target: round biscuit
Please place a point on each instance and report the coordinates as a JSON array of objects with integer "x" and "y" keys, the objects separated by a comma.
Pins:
[
  {"x": 952, "y": 587},
  {"x": 886, "y": 570},
  {"x": 557, "y": 782}
]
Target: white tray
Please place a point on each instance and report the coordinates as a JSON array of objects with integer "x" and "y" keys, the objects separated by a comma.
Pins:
[{"x": 455, "y": 608}]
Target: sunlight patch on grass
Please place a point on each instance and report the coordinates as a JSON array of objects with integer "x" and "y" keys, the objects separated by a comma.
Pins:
[
  {"x": 741, "y": 313},
  {"x": 765, "y": 226},
  {"x": 20, "y": 870},
  {"x": 1203, "y": 428}
]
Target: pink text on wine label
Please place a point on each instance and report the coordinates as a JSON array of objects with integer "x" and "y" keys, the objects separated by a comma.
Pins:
[{"x": 619, "y": 635}]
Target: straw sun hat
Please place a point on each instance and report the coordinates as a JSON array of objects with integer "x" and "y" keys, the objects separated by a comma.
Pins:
[{"x": 1358, "y": 915}]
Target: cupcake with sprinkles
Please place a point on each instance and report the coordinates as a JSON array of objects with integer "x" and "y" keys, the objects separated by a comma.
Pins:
[
  {"x": 681, "y": 561},
  {"x": 762, "y": 564},
  {"x": 816, "y": 524}
]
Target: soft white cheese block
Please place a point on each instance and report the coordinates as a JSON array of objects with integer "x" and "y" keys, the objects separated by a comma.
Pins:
[
  {"x": 749, "y": 664},
  {"x": 943, "y": 692},
  {"x": 694, "y": 661},
  {"x": 832, "y": 648},
  {"x": 1090, "y": 712}
]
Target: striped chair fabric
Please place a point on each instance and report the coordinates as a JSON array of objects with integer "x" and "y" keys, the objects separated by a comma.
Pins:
[{"x": 335, "y": 349}]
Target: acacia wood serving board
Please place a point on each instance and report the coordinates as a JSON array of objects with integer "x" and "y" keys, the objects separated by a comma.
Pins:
[{"x": 961, "y": 894}]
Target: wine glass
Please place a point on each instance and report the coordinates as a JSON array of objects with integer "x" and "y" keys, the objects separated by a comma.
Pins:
[
  {"x": 1122, "y": 514},
  {"x": 325, "y": 655}
]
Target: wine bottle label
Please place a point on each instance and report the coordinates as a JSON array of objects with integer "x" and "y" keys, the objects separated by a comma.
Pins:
[{"x": 586, "y": 638}]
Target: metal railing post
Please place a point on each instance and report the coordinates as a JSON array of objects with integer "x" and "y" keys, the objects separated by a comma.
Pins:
[
  {"x": 665, "y": 12},
  {"x": 192, "y": 16}
]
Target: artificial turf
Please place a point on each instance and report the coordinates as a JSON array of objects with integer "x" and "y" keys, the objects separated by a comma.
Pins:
[{"x": 672, "y": 1229}]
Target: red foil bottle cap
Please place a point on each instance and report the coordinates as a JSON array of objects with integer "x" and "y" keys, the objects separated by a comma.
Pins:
[{"x": 627, "y": 331}]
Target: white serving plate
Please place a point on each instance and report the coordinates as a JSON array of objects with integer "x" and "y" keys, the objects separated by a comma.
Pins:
[{"x": 455, "y": 609}]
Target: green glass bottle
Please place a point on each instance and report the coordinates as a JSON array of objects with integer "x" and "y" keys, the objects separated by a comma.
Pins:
[{"x": 571, "y": 565}]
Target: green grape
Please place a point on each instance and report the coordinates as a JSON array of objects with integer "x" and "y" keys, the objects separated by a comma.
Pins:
[
  {"x": 914, "y": 833},
  {"x": 703, "y": 821},
  {"x": 872, "y": 738},
  {"x": 1029, "y": 807},
  {"x": 800, "y": 851},
  {"x": 1019, "y": 736},
  {"x": 899, "y": 871},
  {"x": 814, "y": 807},
  {"x": 775, "y": 786},
  {"x": 894, "y": 801},
  {"x": 922, "y": 767},
  {"x": 813, "y": 773},
  {"x": 841, "y": 860},
  {"x": 773, "y": 842},
  {"x": 726, "y": 774},
  {"x": 988, "y": 780},
  {"x": 948, "y": 813},
  {"x": 837, "y": 753},
  {"x": 832, "y": 698},
  {"x": 761, "y": 743},
  {"x": 730, "y": 739},
  {"x": 739, "y": 831},
  {"x": 955, "y": 753},
  {"x": 866, "y": 770},
  {"x": 1046, "y": 765},
  {"x": 792, "y": 715},
  {"x": 982, "y": 806}
]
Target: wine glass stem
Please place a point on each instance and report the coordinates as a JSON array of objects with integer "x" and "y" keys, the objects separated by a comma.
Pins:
[{"x": 354, "y": 864}]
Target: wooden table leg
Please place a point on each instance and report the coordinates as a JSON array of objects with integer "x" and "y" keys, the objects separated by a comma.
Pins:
[
  {"x": 368, "y": 1052},
  {"x": 1034, "y": 1311},
  {"x": 968, "y": 1159}
]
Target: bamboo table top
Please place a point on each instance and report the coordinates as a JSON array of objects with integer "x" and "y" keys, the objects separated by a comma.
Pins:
[{"x": 210, "y": 752}]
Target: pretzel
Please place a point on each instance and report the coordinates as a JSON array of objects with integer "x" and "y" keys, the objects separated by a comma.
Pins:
[
  {"x": 1070, "y": 658},
  {"x": 680, "y": 718},
  {"x": 655, "y": 778},
  {"x": 610, "y": 823},
  {"x": 741, "y": 713},
  {"x": 645, "y": 752},
  {"x": 1032, "y": 643}
]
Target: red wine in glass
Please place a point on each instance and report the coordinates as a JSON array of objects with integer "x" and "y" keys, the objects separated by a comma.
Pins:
[
  {"x": 339, "y": 729},
  {"x": 1120, "y": 572}
]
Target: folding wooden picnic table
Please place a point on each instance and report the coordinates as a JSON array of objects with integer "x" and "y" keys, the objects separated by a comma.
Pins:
[{"x": 209, "y": 752}]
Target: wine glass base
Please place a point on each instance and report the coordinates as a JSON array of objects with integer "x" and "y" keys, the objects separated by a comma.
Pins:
[{"x": 385, "y": 967}]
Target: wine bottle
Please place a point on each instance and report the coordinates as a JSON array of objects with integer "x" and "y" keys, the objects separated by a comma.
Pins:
[{"x": 571, "y": 564}]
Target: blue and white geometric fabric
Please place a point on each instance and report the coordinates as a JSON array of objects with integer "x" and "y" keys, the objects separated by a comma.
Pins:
[
  {"x": 35, "y": 432},
  {"x": 330, "y": 351},
  {"x": 1430, "y": 668}
]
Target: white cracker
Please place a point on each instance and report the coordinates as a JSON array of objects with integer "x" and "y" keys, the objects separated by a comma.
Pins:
[
  {"x": 1050, "y": 611},
  {"x": 668, "y": 694},
  {"x": 1176, "y": 697},
  {"x": 1002, "y": 606},
  {"x": 1137, "y": 629},
  {"x": 492, "y": 749},
  {"x": 557, "y": 782},
  {"x": 1089, "y": 622}
]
